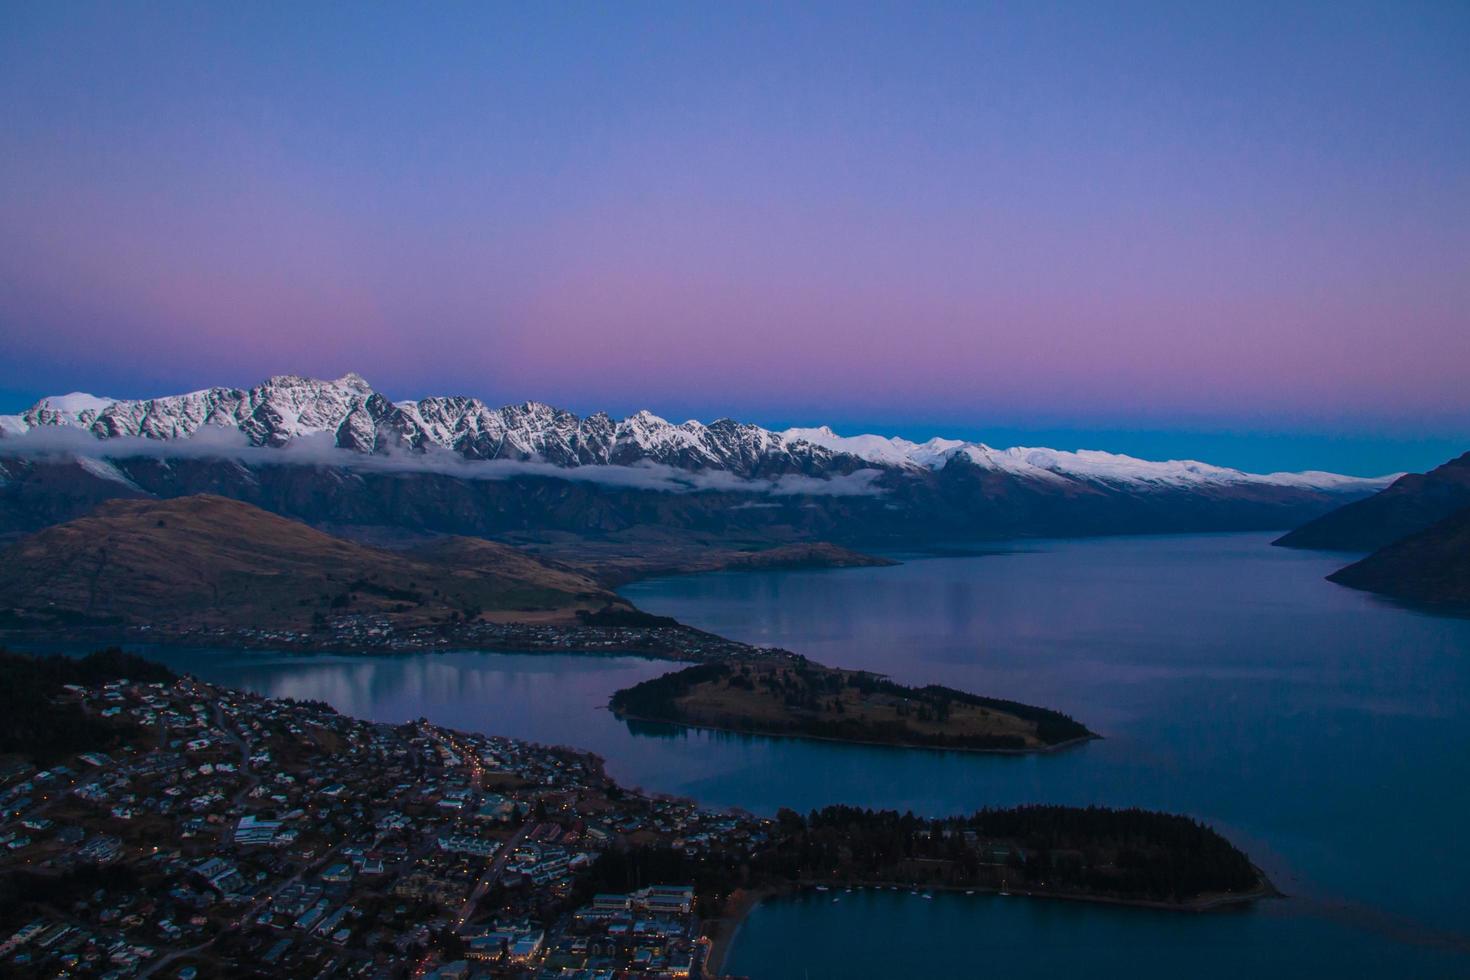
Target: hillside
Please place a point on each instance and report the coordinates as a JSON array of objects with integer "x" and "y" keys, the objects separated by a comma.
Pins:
[
  {"x": 961, "y": 501},
  {"x": 1408, "y": 505},
  {"x": 207, "y": 560},
  {"x": 34, "y": 725},
  {"x": 1432, "y": 566}
]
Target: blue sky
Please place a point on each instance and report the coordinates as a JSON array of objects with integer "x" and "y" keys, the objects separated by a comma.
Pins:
[{"x": 1238, "y": 232}]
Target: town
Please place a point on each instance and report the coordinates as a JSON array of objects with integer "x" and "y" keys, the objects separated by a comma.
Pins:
[
  {"x": 161, "y": 826},
  {"x": 242, "y": 833},
  {"x": 372, "y": 634}
]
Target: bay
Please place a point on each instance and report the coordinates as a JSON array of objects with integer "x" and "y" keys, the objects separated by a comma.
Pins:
[{"x": 1323, "y": 730}]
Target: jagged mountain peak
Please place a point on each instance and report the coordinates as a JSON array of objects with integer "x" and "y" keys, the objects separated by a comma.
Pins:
[
  {"x": 643, "y": 417},
  {"x": 350, "y": 381}
]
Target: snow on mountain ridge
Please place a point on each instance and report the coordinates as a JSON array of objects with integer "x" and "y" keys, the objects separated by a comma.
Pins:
[
  {"x": 76, "y": 408},
  {"x": 287, "y": 407},
  {"x": 1092, "y": 465},
  {"x": 892, "y": 450},
  {"x": 75, "y": 403},
  {"x": 271, "y": 413}
]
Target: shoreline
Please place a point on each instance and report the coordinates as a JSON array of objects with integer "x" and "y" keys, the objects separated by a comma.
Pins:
[
  {"x": 724, "y": 930},
  {"x": 106, "y": 638},
  {"x": 1070, "y": 743}
]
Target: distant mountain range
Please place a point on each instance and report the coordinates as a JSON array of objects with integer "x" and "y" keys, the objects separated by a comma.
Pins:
[
  {"x": 340, "y": 453},
  {"x": 360, "y": 419}
]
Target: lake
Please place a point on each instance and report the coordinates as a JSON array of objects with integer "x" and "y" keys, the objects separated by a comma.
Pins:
[{"x": 1323, "y": 730}]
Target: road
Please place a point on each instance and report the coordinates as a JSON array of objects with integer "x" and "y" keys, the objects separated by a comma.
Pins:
[
  {"x": 477, "y": 772},
  {"x": 497, "y": 865},
  {"x": 491, "y": 874},
  {"x": 252, "y": 778}
]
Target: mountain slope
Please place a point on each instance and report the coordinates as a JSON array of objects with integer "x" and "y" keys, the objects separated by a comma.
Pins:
[
  {"x": 1410, "y": 504},
  {"x": 959, "y": 502},
  {"x": 1431, "y": 566},
  {"x": 207, "y": 560}
]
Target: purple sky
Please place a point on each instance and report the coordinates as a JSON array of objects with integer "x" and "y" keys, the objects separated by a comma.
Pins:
[{"x": 1043, "y": 219}]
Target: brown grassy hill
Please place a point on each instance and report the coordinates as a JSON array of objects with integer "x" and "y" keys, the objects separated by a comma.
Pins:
[
  {"x": 504, "y": 561},
  {"x": 617, "y": 559},
  {"x": 207, "y": 560}
]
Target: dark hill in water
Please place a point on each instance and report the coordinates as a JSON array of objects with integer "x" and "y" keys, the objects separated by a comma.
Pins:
[
  {"x": 1408, "y": 505},
  {"x": 1432, "y": 566}
]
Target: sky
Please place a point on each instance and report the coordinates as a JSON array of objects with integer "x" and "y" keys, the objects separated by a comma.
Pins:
[{"x": 1237, "y": 232}]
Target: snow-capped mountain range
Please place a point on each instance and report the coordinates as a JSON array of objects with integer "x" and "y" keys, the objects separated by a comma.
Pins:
[{"x": 361, "y": 420}]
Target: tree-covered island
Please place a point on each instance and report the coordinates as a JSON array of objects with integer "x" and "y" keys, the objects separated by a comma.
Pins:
[{"x": 789, "y": 695}]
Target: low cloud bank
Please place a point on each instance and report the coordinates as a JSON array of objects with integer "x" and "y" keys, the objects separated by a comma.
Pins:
[{"x": 60, "y": 442}]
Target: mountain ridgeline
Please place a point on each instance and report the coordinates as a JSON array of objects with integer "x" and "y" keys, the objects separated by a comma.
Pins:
[{"x": 339, "y": 454}]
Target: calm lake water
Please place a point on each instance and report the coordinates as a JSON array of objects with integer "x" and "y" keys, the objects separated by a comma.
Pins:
[{"x": 1324, "y": 731}]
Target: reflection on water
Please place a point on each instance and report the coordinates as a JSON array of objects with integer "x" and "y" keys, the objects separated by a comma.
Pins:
[{"x": 553, "y": 698}]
